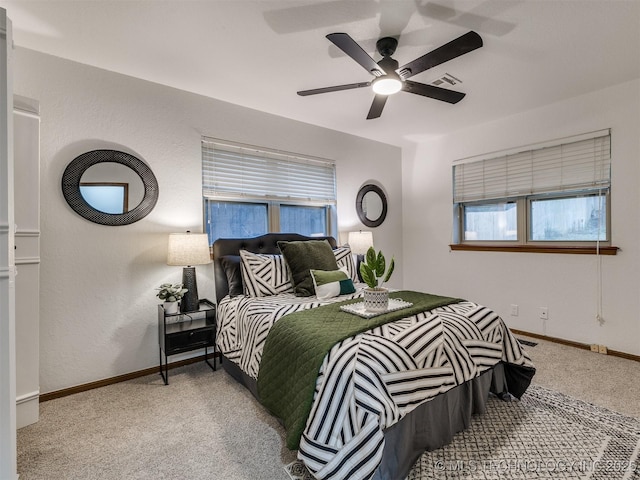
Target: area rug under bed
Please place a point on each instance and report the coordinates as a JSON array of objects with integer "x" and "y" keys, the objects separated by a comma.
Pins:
[{"x": 546, "y": 435}]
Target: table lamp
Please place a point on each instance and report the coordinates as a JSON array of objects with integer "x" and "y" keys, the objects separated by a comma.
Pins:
[
  {"x": 189, "y": 249},
  {"x": 360, "y": 242}
]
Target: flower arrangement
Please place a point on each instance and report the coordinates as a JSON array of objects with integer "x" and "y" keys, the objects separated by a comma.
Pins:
[
  {"x": 374, "y": 267},
  {"x": 169, "y": 292}
]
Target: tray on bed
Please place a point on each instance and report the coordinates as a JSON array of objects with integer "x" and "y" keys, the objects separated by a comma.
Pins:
[{"x": 358, "y": 308}]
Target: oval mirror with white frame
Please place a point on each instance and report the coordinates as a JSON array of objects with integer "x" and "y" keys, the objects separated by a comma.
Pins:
[
  {"x": 371, "y": 205},
  {"x": 109, "y": 187}
]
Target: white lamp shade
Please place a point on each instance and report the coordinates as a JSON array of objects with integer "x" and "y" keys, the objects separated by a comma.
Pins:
[
  {"x": 188, "y": 249},
  {"x": 360, "y": 242}
]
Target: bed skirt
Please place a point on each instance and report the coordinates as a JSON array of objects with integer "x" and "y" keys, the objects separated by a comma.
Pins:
[{"x": 429, "y": 426}]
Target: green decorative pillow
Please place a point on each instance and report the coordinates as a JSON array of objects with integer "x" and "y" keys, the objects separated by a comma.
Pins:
[
  {"x": 304, "y": 256},
  {"x": 331, "y": 284}
]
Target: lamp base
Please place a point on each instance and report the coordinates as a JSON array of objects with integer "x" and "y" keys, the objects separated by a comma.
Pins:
[
  {"x": 359, "y": 260},
  {"x": 190, "y": 301}
]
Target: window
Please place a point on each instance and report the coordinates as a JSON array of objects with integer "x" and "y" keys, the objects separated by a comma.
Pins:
[
  {"x": 554, "y": 195},
  {"x": 572, "y": 218},
  {"x": 491, "y": 221},
  {"x": 250, "y": 191},
  {"x": 310, "y": 221},
  {"x": 236, "y": 219}
]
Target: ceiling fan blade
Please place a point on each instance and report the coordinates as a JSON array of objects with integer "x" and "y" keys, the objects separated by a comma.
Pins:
[
  {"x": 337, "y": 88},
  {"x": 376, "y": 107},
  {"x": 349, "y": 46},
  {"x": 430, "y": 91},
  {"x": 461, "y": 45}
]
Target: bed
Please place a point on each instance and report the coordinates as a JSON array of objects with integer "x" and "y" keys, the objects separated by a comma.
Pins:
[{"x": 381, "y": 396}]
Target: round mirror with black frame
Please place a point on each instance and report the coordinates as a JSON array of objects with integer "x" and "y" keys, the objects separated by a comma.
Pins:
[
  {"x": 81, "y": 194},
  {"x": 371, "y": 205}
]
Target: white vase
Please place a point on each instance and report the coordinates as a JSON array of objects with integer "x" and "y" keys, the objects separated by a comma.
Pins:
[
  {"x": 376, "y": 299},
  {"x": 170, "y": 307}
]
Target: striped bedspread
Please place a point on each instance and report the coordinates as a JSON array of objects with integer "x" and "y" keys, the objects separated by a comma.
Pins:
[
  {"x": 244, "y": 322},
  {"x": 370, "y": 381}
]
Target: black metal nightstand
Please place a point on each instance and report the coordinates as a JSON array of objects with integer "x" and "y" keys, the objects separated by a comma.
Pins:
[{"x": 186, "y": 331}]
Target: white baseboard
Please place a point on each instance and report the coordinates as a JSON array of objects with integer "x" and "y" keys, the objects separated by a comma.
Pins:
[{"x": 27, "y": 409}]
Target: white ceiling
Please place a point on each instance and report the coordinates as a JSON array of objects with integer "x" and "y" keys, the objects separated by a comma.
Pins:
[{"x": 259, "y": 53}]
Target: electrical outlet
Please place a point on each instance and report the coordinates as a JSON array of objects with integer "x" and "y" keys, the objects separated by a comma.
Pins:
[
  {"x": 599, "y": 348},
  {"x": 514, "y": 310},
  {"x": 544, "y": 313}
]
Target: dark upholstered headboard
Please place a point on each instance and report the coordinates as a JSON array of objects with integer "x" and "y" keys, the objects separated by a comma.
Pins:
[{"x": 263, "y": 244}]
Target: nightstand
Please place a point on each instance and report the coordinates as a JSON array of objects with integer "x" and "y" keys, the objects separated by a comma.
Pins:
[{"x": 186, "y": 331}]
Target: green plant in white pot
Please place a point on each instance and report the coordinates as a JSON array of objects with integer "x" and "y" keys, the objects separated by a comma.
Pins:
[
  {"x": 171, "y": 294},
  {"x": 374, "y": 268}
]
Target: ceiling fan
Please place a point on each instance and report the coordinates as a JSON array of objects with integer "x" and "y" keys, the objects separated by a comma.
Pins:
[{"x": 390, "y": 78}]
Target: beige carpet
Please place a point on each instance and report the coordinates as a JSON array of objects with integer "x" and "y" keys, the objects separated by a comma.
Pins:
[
  {"x": 206, "y": 426},
  {"x": 604, "y": 380},
  {"x": 547, "y": 435},
  {"x": 203, "y": 425}
]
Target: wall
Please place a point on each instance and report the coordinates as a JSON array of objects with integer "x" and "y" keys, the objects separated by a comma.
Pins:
[
  {"x": 98, "y": 305},
  {"x": 566, "y": 284}
]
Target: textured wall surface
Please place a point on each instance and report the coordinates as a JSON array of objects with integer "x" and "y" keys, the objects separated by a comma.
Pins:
[
  {"x": 98, "y": 305},
  {"x": 566, "y": 284}
]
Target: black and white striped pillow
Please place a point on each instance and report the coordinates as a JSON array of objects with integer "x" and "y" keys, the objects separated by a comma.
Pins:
[
  {"x": 344, "y": 258},
  {"x": 264, "y": 275}
]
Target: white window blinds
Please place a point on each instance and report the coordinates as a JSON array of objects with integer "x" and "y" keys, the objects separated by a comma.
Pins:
[
  {"x": 578, "y": 164},
  {"x": 238, "y": 171}
]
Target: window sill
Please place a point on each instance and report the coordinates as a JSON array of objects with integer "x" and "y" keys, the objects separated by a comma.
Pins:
[{"x": 606, "y": 250}]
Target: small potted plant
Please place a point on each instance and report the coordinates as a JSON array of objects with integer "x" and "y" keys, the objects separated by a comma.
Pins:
[
  {"x": 171, "y": 293},
  {"x": 374, "y": 268}
]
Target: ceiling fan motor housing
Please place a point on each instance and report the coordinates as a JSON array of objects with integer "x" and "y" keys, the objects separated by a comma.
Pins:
[{"x": 386, "y": 46}]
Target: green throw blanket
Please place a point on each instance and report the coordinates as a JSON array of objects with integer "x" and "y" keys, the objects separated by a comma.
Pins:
[{"x": 297, "y": 344}]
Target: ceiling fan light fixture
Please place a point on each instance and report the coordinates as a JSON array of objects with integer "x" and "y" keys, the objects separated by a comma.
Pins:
[
  {"x": 390, "y": 77},
  {"x": 386, "y": 85}
]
